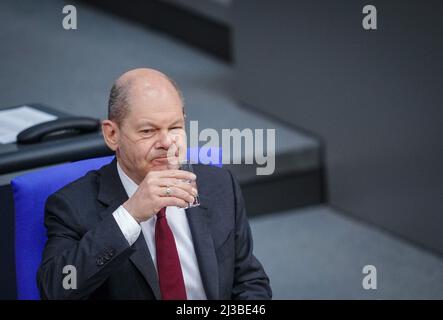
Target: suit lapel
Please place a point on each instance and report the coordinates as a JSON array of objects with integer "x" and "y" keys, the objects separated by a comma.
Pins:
[
  {"x": 111, "y": 191},
  {"x": 112, "y": 194},
  {"x": 142, "y": 259},
  {"x": 198, "y": 219}
]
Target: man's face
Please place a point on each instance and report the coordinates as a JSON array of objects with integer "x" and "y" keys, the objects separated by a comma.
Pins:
[{"x": 154, "y": 124}]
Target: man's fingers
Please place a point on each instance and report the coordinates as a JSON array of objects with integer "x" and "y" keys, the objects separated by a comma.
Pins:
[
  {"x": 178, "y": 174},
  {"x": 179, "y": 183},
  {"x": 176, "y": 192},
  {"x": 172, "y": 201}
]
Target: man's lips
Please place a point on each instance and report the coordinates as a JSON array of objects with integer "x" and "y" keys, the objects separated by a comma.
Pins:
[{"x": 161, "y": 159}]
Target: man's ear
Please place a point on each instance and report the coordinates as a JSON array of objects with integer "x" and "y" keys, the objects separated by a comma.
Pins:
[{"x": 111, "y": 134}]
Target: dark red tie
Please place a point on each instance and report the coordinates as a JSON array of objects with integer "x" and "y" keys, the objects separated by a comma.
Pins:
[{"x": 170, "y": 276}]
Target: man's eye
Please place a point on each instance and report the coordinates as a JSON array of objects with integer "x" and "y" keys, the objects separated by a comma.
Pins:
[{"x": 147, "y": 131}]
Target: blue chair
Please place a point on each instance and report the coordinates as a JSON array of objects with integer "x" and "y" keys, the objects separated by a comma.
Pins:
[{"x": 30, "y": 193}]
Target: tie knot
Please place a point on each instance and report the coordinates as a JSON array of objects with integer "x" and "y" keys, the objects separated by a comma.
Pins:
[{"x": 161, "y": 213}]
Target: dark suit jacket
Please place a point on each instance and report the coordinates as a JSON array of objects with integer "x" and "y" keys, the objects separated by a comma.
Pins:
[{"x": 82, "y": 232}]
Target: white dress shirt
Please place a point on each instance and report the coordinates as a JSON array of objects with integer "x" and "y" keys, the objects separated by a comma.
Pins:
[{"x": 178, "y": 223}]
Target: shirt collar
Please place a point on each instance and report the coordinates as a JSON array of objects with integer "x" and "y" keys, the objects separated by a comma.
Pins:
[{"x": 129, "y": 185}]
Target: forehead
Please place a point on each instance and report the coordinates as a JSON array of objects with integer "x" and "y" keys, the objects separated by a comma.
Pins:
[
  {"x": 154, "y": 115},
  {"x": 156, "y": 104},
  {"x": 159, "y": 119}
]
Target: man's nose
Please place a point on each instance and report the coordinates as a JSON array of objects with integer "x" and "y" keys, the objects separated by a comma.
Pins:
[{"x": 164, "y": 140}]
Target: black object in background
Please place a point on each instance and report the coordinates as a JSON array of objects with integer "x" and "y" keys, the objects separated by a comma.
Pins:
[{"x": 59, "y": 128}]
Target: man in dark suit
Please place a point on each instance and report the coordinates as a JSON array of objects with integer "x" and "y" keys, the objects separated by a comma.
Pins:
[{"x": 125, "y": 227}]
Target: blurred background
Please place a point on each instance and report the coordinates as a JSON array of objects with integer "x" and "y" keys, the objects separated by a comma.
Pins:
[{"x": 358, "y": 116}]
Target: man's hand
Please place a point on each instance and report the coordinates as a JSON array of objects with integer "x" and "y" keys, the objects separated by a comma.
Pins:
[{"x": 151, "y": 194}]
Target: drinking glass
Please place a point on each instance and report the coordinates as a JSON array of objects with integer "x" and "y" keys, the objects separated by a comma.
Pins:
[{"x": 186, "y": 165}]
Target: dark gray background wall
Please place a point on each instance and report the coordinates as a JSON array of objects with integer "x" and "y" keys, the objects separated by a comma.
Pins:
[
  {"x": 216, "y": 10},
  {"x": 374, "y": 96}
]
